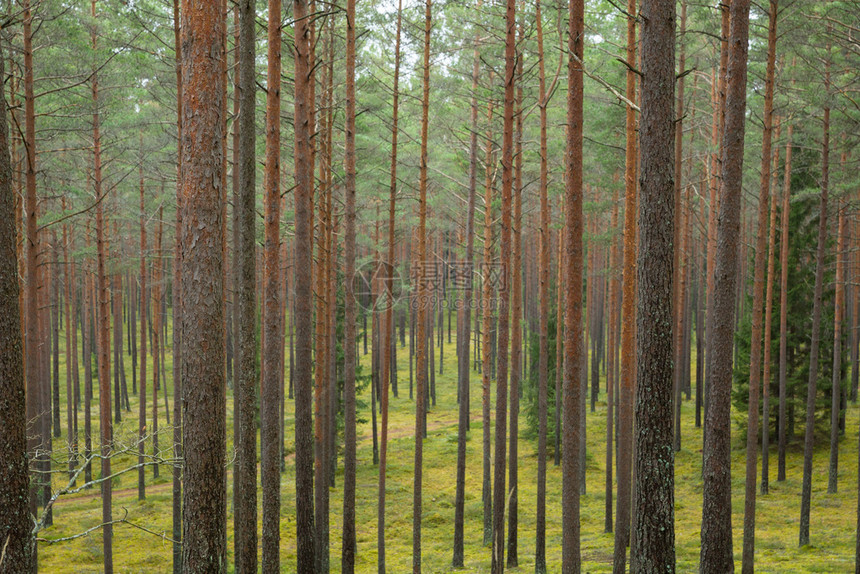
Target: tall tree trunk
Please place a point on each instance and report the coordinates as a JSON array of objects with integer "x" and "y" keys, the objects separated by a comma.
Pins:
[
  {"x": 245, "y": 378},
  {"x": 87, "y": 343},
  {"x": 204, "y": 427},
  {"x": 321, "y": 355},
  {"x": 654, "y": 547},
  {"x": 464, "y": 315},
  {"x": 155, "y": 326},
  {"x": 349, "y": 422},
  {"x": 15, "y": 529},
  {"x": 809, "y": 439},
  {"x": 768, "y": 323},
  {"x": 486, "y": 318},
  {"x": 423, "y": 296},
  {"x": 70, "y": 353},
  {"x": 389, "y": 272},
  {"x": 559, "y": 336},
  {"x": 626, "y": 381},
  {"x": 516, "y": 312},
  {"x": 303, "y": 292},
  {"x": 755, "y": 381},
  {"x": 103, "y": 329},
  {"x": 543, "y": 298},
  {"x": 32, "y": 348},
  {"x": 499, "y": 490},
  {"x": 573, "y": 343},
  {"x": 141, "y": 414},
  {"x": 177, "y": 311},
  {"x": 610, "y": 370},
  {"x": 273, "y": 374},
  {"x": 678, "y": 266},
  {"x": 718, "y": 94},
  {"x": 716, "y": 534},
  {"x": 836, "y": 387},
  {"x": 783, "y": 306}
]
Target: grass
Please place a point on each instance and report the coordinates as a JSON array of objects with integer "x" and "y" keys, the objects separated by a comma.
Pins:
[{"x": 833, "y": 520}]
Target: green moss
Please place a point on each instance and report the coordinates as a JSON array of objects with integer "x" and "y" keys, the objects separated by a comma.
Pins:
[{"x": 833, "y": 519}]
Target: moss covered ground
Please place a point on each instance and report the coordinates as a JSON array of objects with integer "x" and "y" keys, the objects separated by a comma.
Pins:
[{"x": 833, "y": 521}]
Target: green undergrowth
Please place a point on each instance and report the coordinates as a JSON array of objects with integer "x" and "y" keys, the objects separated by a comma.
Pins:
[{"x": 833, "y": 519}]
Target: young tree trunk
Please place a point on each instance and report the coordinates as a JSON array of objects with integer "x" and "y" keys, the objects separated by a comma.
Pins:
[
  {"x": 716, "y": 534},
  {"x": 499, "y": 490},
  {"x": 486, "y": 295},
  {"x": 321, "y": 359},
  {"x": 390, "y": 351},
  {"x": 103, "y": 329},
  {"x": 559, "y": 335},
  {"x": 678, "y": 241},
  {"x": 177, "y": 311},
  {"x": 573, "y": 343},
  {"x": 768, "y": 323},
  {"x": 543, "y": 298},
  {"x": 836, "y": 388},
  {"x": 155, "y": 326},
  {"x": 273, "y": 374},
  {"x": 16, "y": 527},
  {"x": 464, "y": 315},
  {"x": 755, "y": 381},
  {"x": 783, "y": 306},
  {"x": 654, "y": 547},
  {"x": 141, "y": 414},
  {"x": 610, "y": 370},
  {"x": 70, "y": 354},
  {"x": 516, "y": 351},
  {"x": 809, "y": 439},
  {"x": 32, "y": 348},
  {"x": 718, "y": 96},
  {"x": 303, "y": 293},
  {"x": 200, "y": 238},
  {"x": 626, "y": 380},
  {"x": 422, "y": 299},
  {"x": 349, "y": 479},
  {"x": 244, "y": 267},
  {"x": 87, "y": 312}
]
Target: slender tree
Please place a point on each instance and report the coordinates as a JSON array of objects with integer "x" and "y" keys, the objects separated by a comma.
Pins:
[
  {"x": 755, "y": 381},
  {"x": 389, "y": 270},
  {"x": 516, "y": 352},
  {"x": 486, "y": 321},
  {"x": 273, "y": 373},
  {"x": 574, "y": 346},
  {"x": 349, "y": 538},
  {"x": 422, "y": 300},
  {"x": 716, "y": 534},
  {"x": 141, "y": 471},
  {"x": 177, "y": 310},
  {"x": 499, "y": 490},
  {"x": 464, "y": 315},
  {"x": 783, "y": 306},
  {"x": 303, "y": 294},
  {"x": 543, "y": 297},
  {"x": 836, "y": 387},
  {"x": 103, "y": 328},
  {"x": 815, "y": 336},
  {"x": 204, "y": 430},
  {"x": 628, "y": 342},
  {"x": 768, "y": 325},
  {"x": 245, "y": 426},
  {"x": 678, "y": 272}
]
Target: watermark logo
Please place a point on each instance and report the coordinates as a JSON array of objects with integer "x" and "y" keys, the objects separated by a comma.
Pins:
[{"x": 374, "y": 273}]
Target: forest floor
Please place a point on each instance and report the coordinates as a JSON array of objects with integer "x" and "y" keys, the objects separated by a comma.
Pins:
[{"x": 833, "y": 520}]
